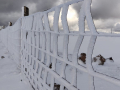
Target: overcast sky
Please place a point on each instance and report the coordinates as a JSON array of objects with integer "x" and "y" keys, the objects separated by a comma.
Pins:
[{"x": 106, "y": 13}]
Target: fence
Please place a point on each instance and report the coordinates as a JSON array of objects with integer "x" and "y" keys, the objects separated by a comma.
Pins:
[{"x": 39, "y": 48}]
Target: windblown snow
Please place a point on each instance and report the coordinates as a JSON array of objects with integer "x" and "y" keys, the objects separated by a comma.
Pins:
[{"x": 10, "y": 75}]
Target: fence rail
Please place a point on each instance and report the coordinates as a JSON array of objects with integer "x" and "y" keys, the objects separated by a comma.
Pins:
[{"x": 39, "y": 47}]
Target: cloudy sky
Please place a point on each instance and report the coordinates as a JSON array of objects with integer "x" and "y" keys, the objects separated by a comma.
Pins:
[{"x": 105, "y": 13}]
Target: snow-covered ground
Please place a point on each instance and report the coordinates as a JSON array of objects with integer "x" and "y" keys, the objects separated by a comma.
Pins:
[
  {"x": 10, "y": 76},
  {"x": 107, "y": 47},
  {"x": 110, "y": 68}
]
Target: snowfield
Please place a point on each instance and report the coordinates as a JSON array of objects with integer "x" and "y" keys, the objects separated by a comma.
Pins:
[
  {"x": 106, "y": 46},
  {"x": 10, "y": 76},
  {"x": 109, "y": 68}
]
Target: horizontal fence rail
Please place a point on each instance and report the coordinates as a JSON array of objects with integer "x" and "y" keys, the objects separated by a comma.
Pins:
[{"x": 38, "y": 44}]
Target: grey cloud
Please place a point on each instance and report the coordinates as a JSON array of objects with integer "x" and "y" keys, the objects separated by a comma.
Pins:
[
  {"x": 101, "y": 10},
  {"x": 4, "y": 18},
  {"x": 43, "y": 5},
  {"x": 105, "y": 9},
  {"x": 7, "y": 7}
]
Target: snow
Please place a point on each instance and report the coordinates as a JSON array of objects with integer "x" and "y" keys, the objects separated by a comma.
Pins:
[
  {"x": 110, "y": 68},
  {"x": 10, "y": 76},
  {"x": 108, "y": 49},
  {"x": 10, "y": 73}
]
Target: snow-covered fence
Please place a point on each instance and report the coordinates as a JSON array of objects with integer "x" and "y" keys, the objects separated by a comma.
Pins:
[
  {"x": 37, "y": 53},
  {"x": 11, "y": 37},
  {"x": 39, "y": 48}
]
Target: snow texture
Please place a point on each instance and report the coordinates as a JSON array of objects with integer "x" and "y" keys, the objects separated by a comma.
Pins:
[
  {"x": 10, "y": 73},
  {"x": 11, "y": 37},
  {"x": 41, "y": 47}
]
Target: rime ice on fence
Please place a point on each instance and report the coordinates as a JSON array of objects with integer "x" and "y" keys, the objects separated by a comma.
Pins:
[
  {"x": 37, "y": 58},
  {"x": 31, "y": 64},
  {"x": 37, "y": 54}
]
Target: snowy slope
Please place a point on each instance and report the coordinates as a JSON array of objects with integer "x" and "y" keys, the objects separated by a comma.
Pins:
[{"x": 10, "y": 76}]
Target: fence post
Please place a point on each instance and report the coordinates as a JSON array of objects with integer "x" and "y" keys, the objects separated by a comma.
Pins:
[
  {"x": 25, "y": 11},
  {"x": 9, "y": 23}
]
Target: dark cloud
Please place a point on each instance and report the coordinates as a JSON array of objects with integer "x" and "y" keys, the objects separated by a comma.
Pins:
[
  {"x": 105, "y": 9},
  {"x": 106, "y": 12},
  {"x": 10, "y": 10},
  {"x": 45, "y": 4},
  {"x": 8, "y": 6},
  {"x": 102, "y": 9}
]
